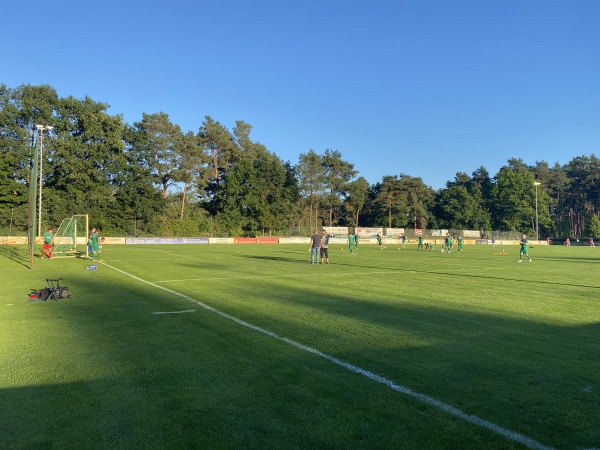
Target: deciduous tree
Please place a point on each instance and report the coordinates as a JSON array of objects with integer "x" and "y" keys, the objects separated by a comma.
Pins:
[{"x": 337, "y": 175}]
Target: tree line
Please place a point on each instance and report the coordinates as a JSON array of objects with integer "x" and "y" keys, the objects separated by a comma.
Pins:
[{"x": 153, "y": 178}]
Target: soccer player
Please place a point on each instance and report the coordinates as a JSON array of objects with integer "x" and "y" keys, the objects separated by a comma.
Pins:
[
  {"x": 450, "y": 241},
  {"x": 350, "y": 241},
  {"x": 403, "y": 237},
  {"x": 48, "y": 238},
  {"x": 445, "y": 244},
  {"x": 355, "y": 239},
  {"x": 325, "y": 246},
  {"x": 379, "y": 241},
  {"x": 429, "y": 247},
  {"x": 94, "y": 242},
  {"x": 524, "y": 248},
  {"x": 460, "y": 242},
  {"x": 420, "y": 243}
]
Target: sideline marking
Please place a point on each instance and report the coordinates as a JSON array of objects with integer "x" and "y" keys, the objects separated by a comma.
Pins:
[
  {"x": 175, "y": 312},
  {"x": 509, "y": 434}
]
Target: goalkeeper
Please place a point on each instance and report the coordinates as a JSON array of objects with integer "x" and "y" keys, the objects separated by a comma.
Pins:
[
  {"x": 94, "y": 243},
  {"x": 48, "y": 240}
]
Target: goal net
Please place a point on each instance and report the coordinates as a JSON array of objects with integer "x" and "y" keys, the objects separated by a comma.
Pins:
[{"x": 71, "y": 237}]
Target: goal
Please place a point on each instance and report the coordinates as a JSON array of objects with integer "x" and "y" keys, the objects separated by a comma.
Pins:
[{"x": 71, "y": 237}]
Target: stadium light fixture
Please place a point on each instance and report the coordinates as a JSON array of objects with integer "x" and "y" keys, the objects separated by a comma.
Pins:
[{"x": 41, "y": 129}]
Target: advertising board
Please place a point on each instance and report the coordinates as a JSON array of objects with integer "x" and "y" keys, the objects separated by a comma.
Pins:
[
  {"x": 393, "y": 232},
  {"x": 343, "y": 231},
  {"x": 368, "y": 232},
  {"x": 220, "y": 240},
  {"x": 261, "y": 240},
  {"x": 131, "y": 240},
  {"x": 295, "y": 240}
]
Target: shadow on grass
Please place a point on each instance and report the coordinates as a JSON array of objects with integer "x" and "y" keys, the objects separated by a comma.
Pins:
[
  {"x": 416, "y": 270},
  {"x": 275, "y": 258},
  {"x": 15, "y": 253},
  {"x": 535, "y": 378},
  {"x": 496, "y": 278},
  {"x": 532, "y": 376}
]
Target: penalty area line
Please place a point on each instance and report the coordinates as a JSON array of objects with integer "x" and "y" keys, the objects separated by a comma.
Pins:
[
  {"x": 452, "y": 410},
  {"x": 175, "y": 312}
]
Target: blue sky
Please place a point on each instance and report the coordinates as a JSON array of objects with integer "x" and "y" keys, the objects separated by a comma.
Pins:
[{"x": 423, "y": 87}]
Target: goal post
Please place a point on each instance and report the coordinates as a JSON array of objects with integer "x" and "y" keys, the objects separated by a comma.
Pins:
[{"x": 70, "y": 240}]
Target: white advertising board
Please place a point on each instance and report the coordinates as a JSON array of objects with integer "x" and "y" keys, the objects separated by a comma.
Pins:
[
  {"x": 393, "y": 232},
  {"x": 294, "y": 240},
  {"x": 220, "y": 240},
  {"x": 368, "y": 232},
  {"x": 336, "y": 230}
]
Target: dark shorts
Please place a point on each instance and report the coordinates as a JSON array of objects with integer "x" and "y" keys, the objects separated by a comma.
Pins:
[{"x": 324, "y": 252}]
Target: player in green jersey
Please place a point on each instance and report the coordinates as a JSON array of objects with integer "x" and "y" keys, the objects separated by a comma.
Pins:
[
  {"x": 459, "y": 238},
  {"x": 524, "y": 248},
  {"x": 48, "y": 239},
  {"x": 379, "y": 241},
  {"x": 403, "y": 237},
  {"x": 420, "y": 243},
  {"x": 94, "y": 243}
]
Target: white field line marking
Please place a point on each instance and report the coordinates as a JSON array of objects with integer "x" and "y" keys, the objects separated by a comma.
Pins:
[
  {"x": 509, "y": 434},
  {"x": 175, "y": 312},
  {"x": 176, "y": 254}
]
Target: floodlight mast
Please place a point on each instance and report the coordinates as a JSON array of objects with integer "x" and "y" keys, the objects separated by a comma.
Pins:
[
  {"x": 41, "y": 129},
  {"x": 537, "y": 223}
]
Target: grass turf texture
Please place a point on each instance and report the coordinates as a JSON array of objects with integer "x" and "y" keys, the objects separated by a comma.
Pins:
[{"x": 515, "y": 344}]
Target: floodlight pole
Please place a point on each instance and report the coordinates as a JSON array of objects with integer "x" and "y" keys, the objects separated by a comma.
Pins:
[
  {"x": 41, "y": 129},
  {"x": 537, "y": 223}
]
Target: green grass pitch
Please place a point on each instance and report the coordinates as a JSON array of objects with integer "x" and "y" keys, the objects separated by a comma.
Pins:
[{"x": 250, "y": 346}]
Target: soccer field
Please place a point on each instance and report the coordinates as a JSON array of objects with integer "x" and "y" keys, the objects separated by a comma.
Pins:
[{"x": 250, "y": 346}]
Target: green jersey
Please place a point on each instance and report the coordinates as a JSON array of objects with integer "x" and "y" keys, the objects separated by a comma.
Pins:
[
  {"x": 48, "y": 237},
  {"x": 94, "y": 237},
  {"x": 524, "y": 245}
]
